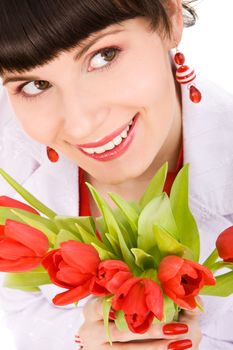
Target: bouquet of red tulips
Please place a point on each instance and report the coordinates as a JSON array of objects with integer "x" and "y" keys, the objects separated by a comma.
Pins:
[{"x": 142, "y": 257}]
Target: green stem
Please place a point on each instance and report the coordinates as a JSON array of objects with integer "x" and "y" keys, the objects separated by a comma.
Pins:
[
  {"x": 28, "y": 196},
  {"x": 220, "y": 265},
  {"x": 211, "y": 259}
]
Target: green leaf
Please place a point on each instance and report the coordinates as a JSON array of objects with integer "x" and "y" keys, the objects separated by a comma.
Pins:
[
  {"x": 221, "y": 265},
  {"x": 9, "y": 213},
  {"x": 156, "y": 212},
  {"x": 120, "y": 321},
  {"x": 88, "y": 223},
  {"x": 169, "y": 245},
  {"x": 187, "y": 226},
  {"x": 64, "y": 236},
  {"x": 169, "y": 311},
  {"x": 105, "y": 210},
  {"x": 6, "y": 213},
  {"x": 115, "y": 245},
  {"x": 112, "y": 226},
  {"x": 103, "y": 253},
  {"x": 211, "y": 259},
  {"x": 106, "y": 310},
  {"x": 87, "y": 237},
  {"x": 38, "y": 225},
  {"x": 33, "y": 201},
  {"x": 22, "y": 280},
  {"x": 127, "y": 209},
  {"x": 223, "y": 287},
  {"x": 129, "y": 236},
  {"x": 68, "y": 223},
  {"x": 151, "y": 274},
  {"x": 155, "y": 186},
  {"x": 143, "y": 260}
]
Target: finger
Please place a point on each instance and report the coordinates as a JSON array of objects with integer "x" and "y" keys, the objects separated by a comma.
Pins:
[
  {"x": 93, "y": 310},
  {"x": 150, "y": 345},
  {"x": 172, "y": 330}
]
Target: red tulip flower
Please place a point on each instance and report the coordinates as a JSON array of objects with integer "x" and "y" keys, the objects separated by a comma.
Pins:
[
  {"x": 182, "y": 280},
  {"x": 21, "y": 247},
  {"x": 224, "y": 244},
  {"x": 73, "y": 266},
  {"x": 6, "y": 201},
  {"x": 110, "y": 276},
  {"x": 141, "y": 299}
]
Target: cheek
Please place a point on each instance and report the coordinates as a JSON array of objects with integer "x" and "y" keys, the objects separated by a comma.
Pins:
[
  {"x": 36, "y": 120},
  {"x": 139, "y": 82}
]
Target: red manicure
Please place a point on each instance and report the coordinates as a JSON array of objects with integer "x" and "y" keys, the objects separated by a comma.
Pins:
[
  {"x": 175, "y": 328},
  {"x": 180, "y": 344}
]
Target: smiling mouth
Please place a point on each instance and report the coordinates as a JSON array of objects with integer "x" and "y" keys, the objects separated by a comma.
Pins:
[{"x": 112, "y": 145}]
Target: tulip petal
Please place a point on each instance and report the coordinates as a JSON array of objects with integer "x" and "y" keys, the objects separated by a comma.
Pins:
[
  {"x": 80, "y": 255},
  {"x": 12, "y": 250},
  {"x": 207, "y": 274},
  {"x": 19, "y": 265},
  {"x": 97, "y": 290},
  {"x": 73, "y": 295},
  {"x": 117, "y": 280},
  {"x": 28, "y": 236},
  {"x": 114, "y": 264},
  {"x": 188, "y": 269},
  {"x": 8, "y": 202},
  {"x": 175, "y": 285},
  {"x": 134, "y": 302},
  {"x": 2, "y": 229},
  {"x": 73, "y": 277},
  {"x": 169, "y": 267},
  {"x": 154, "y": 298},
  {"x": 50, "y": 263},
  {"x": 188, "y": 303},
  {"x": 224, "y": 244},
  {"x": 118, "y": 299},
  {"x": 143, "y": 326}
]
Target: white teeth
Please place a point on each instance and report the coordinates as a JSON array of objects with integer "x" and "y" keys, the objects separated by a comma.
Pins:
[
  {"x": 99, "y": 149},
  {"x": 117, "y": 140},
  {"x": 89, "y": 150},
  {"x": 124, "y": 134},
  {"x": 109, "y": 146}
]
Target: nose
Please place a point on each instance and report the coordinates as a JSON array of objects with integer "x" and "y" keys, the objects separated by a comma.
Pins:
[{"x": 82, "y": 115}]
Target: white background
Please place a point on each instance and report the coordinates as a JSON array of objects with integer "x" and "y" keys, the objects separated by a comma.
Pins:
[{"x": 208, "y": 48}]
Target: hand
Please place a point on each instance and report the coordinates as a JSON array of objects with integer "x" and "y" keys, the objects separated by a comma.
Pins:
[{"x": 93, "y": 333}]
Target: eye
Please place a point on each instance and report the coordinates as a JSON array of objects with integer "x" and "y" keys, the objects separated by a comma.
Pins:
[
  {"x": 33, "y": 87},
  {"x": 103, "y": 58}
]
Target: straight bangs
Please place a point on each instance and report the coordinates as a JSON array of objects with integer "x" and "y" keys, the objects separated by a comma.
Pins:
[{"x": 33, "y": 33}]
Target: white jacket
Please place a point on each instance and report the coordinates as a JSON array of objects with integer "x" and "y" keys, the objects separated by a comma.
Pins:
[{"x": 208, "y": 147}]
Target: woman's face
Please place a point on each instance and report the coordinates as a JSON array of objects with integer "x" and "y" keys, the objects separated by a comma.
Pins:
[{"x": 83, "y": 100}]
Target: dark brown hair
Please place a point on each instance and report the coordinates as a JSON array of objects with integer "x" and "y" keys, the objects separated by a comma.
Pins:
[{"x": 33, "y": 33}]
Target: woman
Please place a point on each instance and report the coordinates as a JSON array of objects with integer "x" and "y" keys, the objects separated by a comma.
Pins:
[{"x": 78, "y": 74}]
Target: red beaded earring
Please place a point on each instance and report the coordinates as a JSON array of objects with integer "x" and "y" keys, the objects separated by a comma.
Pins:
[
  {"x": 186, "y": 75},
  {"x": 52, "y": 154}
]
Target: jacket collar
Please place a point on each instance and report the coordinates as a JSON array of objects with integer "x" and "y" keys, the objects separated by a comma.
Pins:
[{"x": 208, "y": 147}]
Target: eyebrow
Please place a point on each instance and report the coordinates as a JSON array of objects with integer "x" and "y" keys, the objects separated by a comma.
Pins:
[{"x": 83, "y": 50}]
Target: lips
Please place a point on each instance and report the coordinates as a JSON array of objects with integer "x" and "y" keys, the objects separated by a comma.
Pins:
[
  {"x": 118, "y": 150},
  {"x": 104, "y": 140}
]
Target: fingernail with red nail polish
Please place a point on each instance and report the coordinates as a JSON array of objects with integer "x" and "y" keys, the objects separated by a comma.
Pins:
[
  {"x": 175, "y": 328},
  {"x": 180, "y": 344},
  {"x": 78, "y": 340}
]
